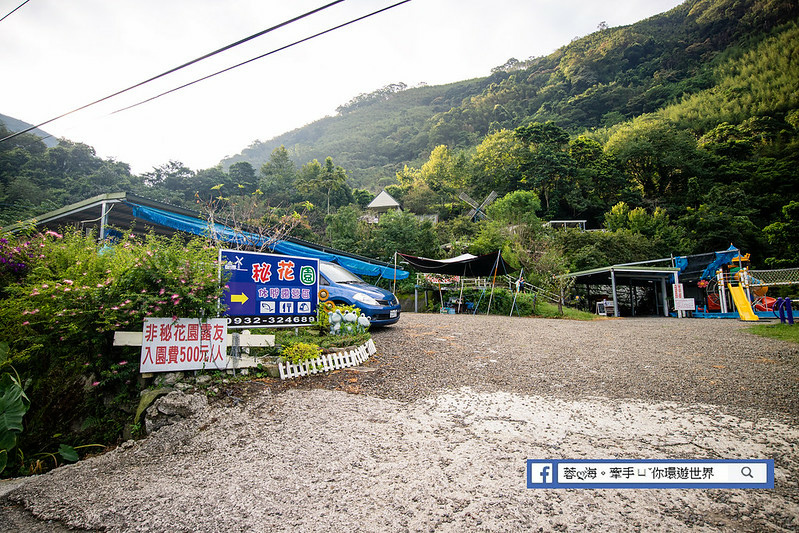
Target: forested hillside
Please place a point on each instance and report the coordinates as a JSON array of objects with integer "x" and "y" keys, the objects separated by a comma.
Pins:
[
  {"x": 677, "y": 134},
  {"x": 13, "y": 124},
  {"x": 606, "y": 78}
]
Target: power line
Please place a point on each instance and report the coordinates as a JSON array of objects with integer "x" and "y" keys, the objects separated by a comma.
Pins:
[
  {"x": 260, "y": 56},
  {"x": 170, "y": 71},
  {"x": 9, "y": 13}
]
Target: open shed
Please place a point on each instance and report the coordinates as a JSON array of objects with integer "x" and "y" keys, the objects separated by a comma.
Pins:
[{"x": 621, "y": 279}]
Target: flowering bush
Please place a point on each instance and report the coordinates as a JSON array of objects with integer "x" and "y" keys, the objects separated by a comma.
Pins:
[{"x": 61, "y": 299}]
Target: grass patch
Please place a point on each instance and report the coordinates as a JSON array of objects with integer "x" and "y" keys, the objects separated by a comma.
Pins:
[
  {"x": 548, "y": 310},
  {"x": 783, "y": 332}
]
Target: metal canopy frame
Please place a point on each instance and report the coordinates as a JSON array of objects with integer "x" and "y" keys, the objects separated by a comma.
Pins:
[
  {"x": 614, "y": 275},
  {"x": 115, "y": 210}
]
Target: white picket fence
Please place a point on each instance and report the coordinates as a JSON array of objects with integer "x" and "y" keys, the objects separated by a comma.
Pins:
[{"x": 328, "y": 362}]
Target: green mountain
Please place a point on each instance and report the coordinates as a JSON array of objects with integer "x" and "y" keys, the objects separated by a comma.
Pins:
[
  {"x": 674, "y": 64},
  {"x": 13, "y": 125}
]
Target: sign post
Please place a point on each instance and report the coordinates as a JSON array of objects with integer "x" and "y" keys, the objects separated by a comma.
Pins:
[
  {"x": 681, "y": 303},
  {"x": 267, "y": 290}
]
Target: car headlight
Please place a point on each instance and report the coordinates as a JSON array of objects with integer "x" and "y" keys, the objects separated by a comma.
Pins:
[{"x": 365, "y": 298}]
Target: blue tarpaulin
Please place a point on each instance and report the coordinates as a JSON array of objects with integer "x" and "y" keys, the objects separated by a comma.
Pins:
[
  {"x": 722, "y": 258},
  {"x": 197, "y": 226}
]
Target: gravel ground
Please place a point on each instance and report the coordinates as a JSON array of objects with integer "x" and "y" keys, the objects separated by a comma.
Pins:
[{"x": 433, "y": 433}]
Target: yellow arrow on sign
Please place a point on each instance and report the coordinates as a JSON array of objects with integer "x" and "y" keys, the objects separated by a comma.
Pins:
[{"x": 239, "y": 298}]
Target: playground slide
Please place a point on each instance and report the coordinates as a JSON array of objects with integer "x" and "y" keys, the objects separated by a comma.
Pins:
[{"x": 742, "y": 303}]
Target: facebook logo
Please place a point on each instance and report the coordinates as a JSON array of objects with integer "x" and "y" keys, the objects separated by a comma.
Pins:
[{"x": 540, "y": 474}]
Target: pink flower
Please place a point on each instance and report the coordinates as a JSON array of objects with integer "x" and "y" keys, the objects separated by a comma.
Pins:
[
  {"x": 123, "y": 363},
  {"x": 161, "y": 291},
  {"x": 115, "y": 308},
  {"x": 95, "y": 383},
  {"x": 25, "y": 323},
  {"x": 68, "y": 281},
  {"x": 54, "y": 234},
  {"x": 45, "y": 286}
]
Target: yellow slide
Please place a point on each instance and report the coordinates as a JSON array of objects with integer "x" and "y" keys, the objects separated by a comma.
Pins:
[{"x": 742, "y": 303}]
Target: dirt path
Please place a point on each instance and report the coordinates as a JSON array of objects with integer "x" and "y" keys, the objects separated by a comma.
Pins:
[{"x": 434, "y": 435}]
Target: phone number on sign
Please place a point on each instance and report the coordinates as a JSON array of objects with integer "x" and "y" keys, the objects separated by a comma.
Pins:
[{"x": 233, "y": 321}]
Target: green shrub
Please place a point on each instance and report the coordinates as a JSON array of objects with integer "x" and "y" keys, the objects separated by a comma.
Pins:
[
  {"x": 299, "y": 352},
  {"x": 60, "y": 305},
  {"x": 501, "y": 301}
]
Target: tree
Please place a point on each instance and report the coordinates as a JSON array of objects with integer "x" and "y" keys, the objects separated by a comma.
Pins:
[
  {"x": 243, "y": 176},
  {"x": 658, "y": 157},
  {"x": 783, "y": 237},
  {"x": 332, "y": 178},
  {"x": 497, "y": 163},
  {"x": 438, "y": 172},
  {"x": 515, "y": 208},
  {"x": 345, "y": 230},
  {"x": 278, "y": 178},
  {"x": 548, "y": 166},
  {"x": 400, "y": 231},
  {"x": 362, "y": 197}
]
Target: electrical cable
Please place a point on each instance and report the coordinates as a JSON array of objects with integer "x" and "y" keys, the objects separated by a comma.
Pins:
[
  {"x": 9, "y": 13},
  {"x": 260, "y": 56},
  {"x": 170, "y": 71}
]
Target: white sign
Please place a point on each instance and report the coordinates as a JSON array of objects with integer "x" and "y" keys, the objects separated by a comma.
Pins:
[
  {"x": 684, "y": 304},
  {"x": 679, "y": 293},
  {"x": 184, "y": 344}
]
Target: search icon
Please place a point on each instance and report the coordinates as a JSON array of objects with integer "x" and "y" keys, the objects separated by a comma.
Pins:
[{"x": 747, "y": 472}]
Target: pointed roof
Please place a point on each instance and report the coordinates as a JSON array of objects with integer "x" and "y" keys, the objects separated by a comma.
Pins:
[{"x": 383, "y": 202}]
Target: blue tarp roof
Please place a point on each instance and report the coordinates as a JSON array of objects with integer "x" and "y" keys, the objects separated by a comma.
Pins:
[
  {"x": 710, "y": 261},
  {"x": 722, "y": 258},
  {"x": 224, "y": 233}
]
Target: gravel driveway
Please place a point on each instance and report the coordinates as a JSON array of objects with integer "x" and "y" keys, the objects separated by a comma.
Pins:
[{"x": 433, "y": 434}]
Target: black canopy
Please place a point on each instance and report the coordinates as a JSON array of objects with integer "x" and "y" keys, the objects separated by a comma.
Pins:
[{"x": 464, "y": 265}]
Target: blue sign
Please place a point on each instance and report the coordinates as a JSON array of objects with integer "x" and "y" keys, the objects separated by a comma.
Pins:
[
  {"x": 650, "y": 474},
  {"x": 267, "y": 290}
]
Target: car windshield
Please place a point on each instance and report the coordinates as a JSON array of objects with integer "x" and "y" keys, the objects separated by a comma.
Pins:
[{"x": 337, "y": 274}]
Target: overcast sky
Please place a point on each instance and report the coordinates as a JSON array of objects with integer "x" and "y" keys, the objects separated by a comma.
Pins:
[{"x": 57, "y": 55}]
